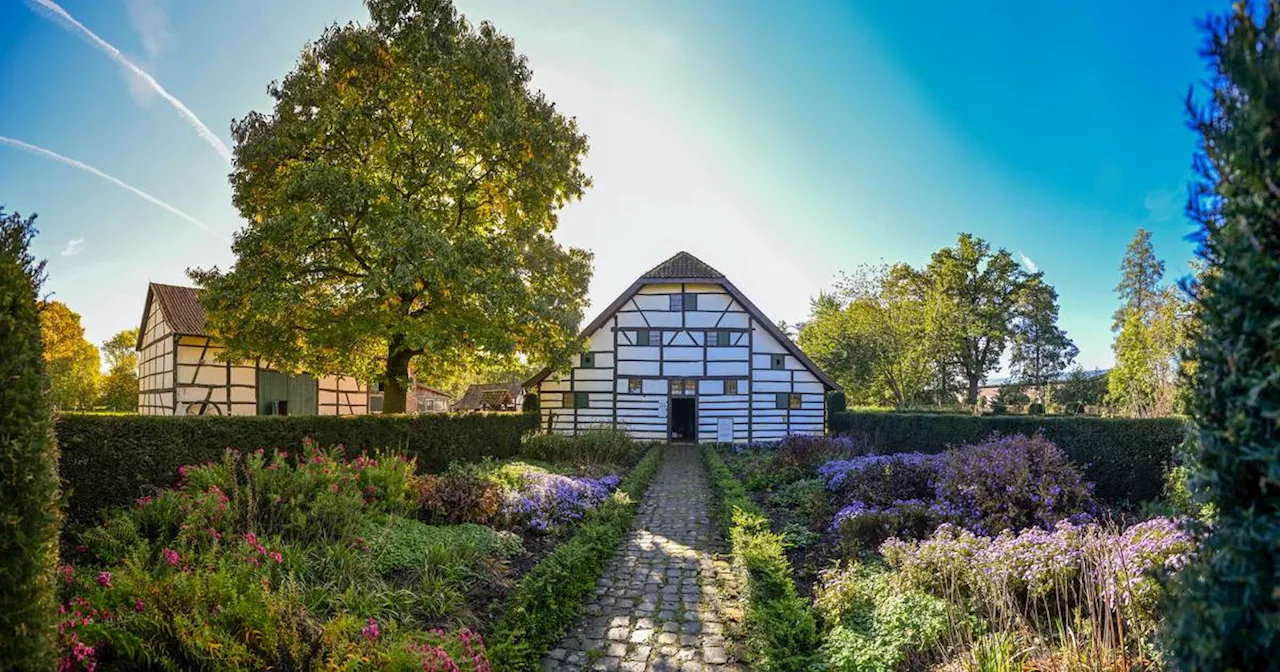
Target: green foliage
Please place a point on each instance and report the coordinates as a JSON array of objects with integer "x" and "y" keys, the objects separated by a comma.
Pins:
[
  {"x": 530, "y": 403},
  {"x": 1035, "y": 408},
  {"x": 29, "y": 517},
  {"x": 837, "y": 402},
  {"x": 415, "y": 131},
  {"x": 1080, "y": 390},
  {"x": 70, "y": 361},
  {"x": 110, "y": 460},
  {"x": 461, "y": 495},
  {"x": 874, "y": 625},
  {"x": 1124, "y": 457},
  {"x": 1014, "y": 395},
  {"x": 781, "y": 633},
  {"x": 588, "y": 447},
  {"x": 1040, "y": 349},
  {"x": 118, "y": 390},
  {"x": 1225, "y": 614},
  {"x": 396, "y": 542},
  {"x": 549, "y": 598}
]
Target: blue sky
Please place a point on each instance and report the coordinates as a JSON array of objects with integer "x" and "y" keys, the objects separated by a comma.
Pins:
[{"x": 781, "y": 146}]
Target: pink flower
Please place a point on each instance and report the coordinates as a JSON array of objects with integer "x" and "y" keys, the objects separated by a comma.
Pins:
[
  {"x": 275, "y": 555},
  {"x": 138, "y": 605},
  {"x": 371, "y": 631},
  {"x": 182, "y": 471},
  {"x": 252, "y": 539},
  {"x": 172, "y": 557},
  {"x": 104, "y": 579},
  {"x": 68, "y": 572},
  {"x": 334, "y": 487}
]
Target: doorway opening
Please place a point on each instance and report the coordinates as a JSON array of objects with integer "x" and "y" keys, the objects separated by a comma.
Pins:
[{"x": 684, "y": 419}]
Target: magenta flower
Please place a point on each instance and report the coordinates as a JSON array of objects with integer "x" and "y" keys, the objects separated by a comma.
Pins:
[
  {"x": 104, "y": 579},
  {"x": 371, "y": 631},
  {"x": 171, "y": 556},
  {"x": 139, "y": 605}
]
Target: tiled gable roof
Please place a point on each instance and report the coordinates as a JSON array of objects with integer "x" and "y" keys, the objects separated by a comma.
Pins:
[
  {"x": 180, "y": 307},
  {"x": 475, "y": 396},
  {"x": 682, "y": 265}
]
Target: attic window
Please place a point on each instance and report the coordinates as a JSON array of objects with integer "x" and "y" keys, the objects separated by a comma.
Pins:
[
  {"x": 647, "y": 337},
  {"x": 685, "y": 301},
  {"x": 588, "y": 360},
  {"x": 778, "y": 361},
  {"x": 723, "y": 338}
]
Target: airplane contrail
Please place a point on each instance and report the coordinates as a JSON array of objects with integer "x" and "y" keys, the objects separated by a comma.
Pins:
[
  {"x": 40, "y": 151},
  {"x": 57, "y": 11}
]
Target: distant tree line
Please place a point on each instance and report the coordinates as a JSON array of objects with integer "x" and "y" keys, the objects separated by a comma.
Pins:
[{"x": 73, "y": 364}]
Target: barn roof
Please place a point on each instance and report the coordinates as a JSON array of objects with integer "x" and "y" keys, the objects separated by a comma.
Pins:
[
  {"x": 481, "y": 394},
  {"x": 181, "y": 308},
  {"x": 686, "y": 267},
  {"x": 682, "y": 265}
]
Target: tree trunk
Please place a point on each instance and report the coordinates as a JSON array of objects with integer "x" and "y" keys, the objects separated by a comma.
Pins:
[
  {"x": 397, "y": 375},
  {"x": 973, "y": 388}
]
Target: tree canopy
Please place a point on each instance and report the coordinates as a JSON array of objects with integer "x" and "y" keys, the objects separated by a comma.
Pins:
[
  {"x": 119, "y": 388},
  {"x": 70, "y": 360},
  {"x": 1041, "y": 350},
  {"x": 401, "y": 198}
]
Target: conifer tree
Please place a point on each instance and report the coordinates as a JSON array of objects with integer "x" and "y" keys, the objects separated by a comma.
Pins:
[
  {"x": 29, "y": 514},
  {"x": 1225, "y": 611}
]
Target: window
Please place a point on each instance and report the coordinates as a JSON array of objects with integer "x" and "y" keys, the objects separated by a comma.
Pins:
[
  {"x": 731, "y": 386},
  {"x": 588, "y": 360},
  {"x": 777, "y": 361},
  {"x": 795, "y": 401},
  {"x": 723, "y": 338},
  {"x": 686, "y": 301},
  {"x": 684, "y": 386},
  {"x": 781, "y": 400},
  {"x": 648, "y": 337},
  {"x": 577, "y": 400},
  {"x": 635, "y": 385}
]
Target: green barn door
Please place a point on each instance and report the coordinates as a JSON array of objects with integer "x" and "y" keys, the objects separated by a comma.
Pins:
[
  {"x": 304, "y": 395},
  {"x": 300, "y": 394}
]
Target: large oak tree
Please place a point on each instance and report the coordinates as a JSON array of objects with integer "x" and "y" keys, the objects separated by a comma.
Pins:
[{"x": 401, "y": 198}]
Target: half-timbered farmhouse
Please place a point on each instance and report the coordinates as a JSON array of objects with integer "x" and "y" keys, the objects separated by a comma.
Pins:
[
  {"x": 180, "y": 371},
  {"x": 683, "y": 355}
]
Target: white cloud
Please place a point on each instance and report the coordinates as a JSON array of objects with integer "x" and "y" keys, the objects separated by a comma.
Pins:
[
  {"x": 74, "y": 246},
  {"x": 150, "y": 18},
  {"x": 53, "y": 9},
  {"x": 1026, "y": 261}
]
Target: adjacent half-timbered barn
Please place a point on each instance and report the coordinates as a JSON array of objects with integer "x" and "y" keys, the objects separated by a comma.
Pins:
[
  {"x": 180, "y": 370},
  {"x": 683, "y": 355}
]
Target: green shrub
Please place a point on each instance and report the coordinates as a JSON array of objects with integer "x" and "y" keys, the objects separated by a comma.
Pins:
[
  {"x": 530, "y": 404},
  {"x": 1035, "y": 408},
  {"x": 781, "y": 633},
  {"x": 1225, "y": 613},
  {"x": 873, "y": 624},
  {"x": 396, "y": 542},
  {"x": 588, "y": 447},
  {"x": 1124, "y": 457},
  {"x": 111, "y": 460},
  {"x": 29, "y": 478},
  {"x": 549, "y": 598}
]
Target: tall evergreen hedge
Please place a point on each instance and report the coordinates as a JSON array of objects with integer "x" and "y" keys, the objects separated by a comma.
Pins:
[
  {"x": 1124, "y": 457},
  {"x": 28, "y": 463},
  {"x": 1225, "y": 610},
  {"x": 109, "y": 460}
]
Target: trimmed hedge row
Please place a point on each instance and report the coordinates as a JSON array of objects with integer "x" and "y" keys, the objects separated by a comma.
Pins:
[
  {"x": 111, "y": 460},
  {"x": 549, "y": 598},
  {"x": 1125, "y": 457},
  {"x": 782, "y": 635}
]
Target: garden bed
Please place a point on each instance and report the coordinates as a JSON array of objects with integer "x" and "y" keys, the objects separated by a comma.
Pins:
[
  {"x": 314, "y": 561},
  {"x": 994, "y": 555}
]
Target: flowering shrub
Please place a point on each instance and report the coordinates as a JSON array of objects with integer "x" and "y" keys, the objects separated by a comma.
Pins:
[
  {"x": 1011, "y": 483},
  {"x": 880, "y": 480},
  {"x": 806, "y": 452},
  {"x": 1069, "y": 565},
  {"x": 545, "y": 502},
  {"x": 863, "y": 526},
  {"x": 461, "y": 495}
]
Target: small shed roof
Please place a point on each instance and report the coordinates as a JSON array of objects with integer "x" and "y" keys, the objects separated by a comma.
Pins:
[
  {"x": 181, "y": 309},
  {"x": 488, "y": 394}
]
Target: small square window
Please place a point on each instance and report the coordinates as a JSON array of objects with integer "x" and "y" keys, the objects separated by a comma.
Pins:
[
  {"x": 690, "y": 301},
  {"x": 723, "y": 338},
  {"x": 588, "y": 360},
  {"x": 635, "y": 386},
  {"x": 567, "y": 402},
  {"x": 690, "y": 386},
  {"x": 677, "y": 302},
  {"x": 781, "y": 400},
  {"x": 796, "y": 401},
  {"x": 581, "y": 400},
  {"x": 777, "y": 361},
  {"x": 731, "y": 386},
  {"x": 642, "y": 338}
]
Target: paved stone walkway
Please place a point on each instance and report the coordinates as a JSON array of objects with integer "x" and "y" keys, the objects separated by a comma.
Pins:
[{"x": 668, "y": 599}]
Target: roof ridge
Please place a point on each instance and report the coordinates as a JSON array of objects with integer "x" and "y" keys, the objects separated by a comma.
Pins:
[{"x": 682, "y": 264}]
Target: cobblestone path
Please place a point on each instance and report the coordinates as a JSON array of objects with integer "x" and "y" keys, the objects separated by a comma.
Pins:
[{"x": 668, "y": 599}]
